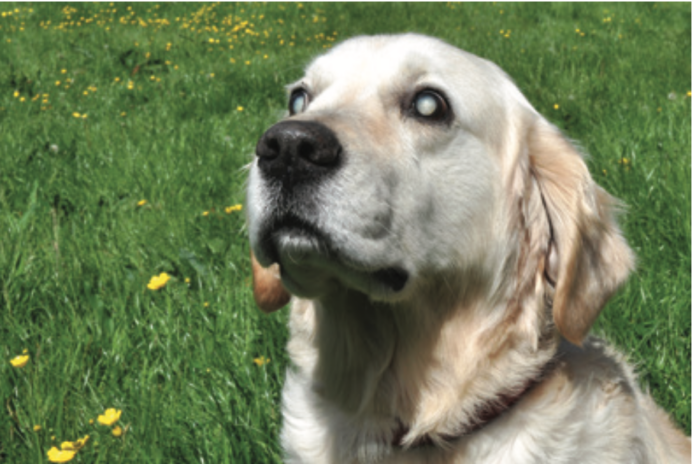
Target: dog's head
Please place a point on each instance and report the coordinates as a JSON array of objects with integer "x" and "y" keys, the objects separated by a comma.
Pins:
[{"x": 404, "y": 159}]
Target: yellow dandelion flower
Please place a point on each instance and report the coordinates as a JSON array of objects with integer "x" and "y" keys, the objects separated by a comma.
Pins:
[
  {"x": 57, "y": 83},
  {"x": 20, "y": 361},
  {"x": 142, "y": 202},
  {"x": 117, "y": 431},
  {"x": 22, "y": 99},
  {"x": 63, "y": 71},
  {"x": 240, "y": 108},
  {"x": 84, "y": 116},
  {"x": 112, "y": 415},
  {"x": 231, "y": 209},
  {"x": 123, "y": 114},
  {"x": 56, "y": 455},
  {"x": 688, "y": 94},
  {"x": 156, "y": 282},
  {"x": 117, "y": 79},
  {"x": 261, "y": 360},
  {"x": 86, "y": 92},
  {"x": 37, "y": 428},
  {"x": 206, "y": 304},
  {"x": 76, "y": 114},
  {"x": 187, "y": 280},
  {"x": 76, "y": 445},
  {"x": 91, "y": 422},
  {"x": 16, "y": 93},
  {"x": 152, "y": 78},
  {"x": 556, "y": 106},
  {"x": 205, "y": 213}
]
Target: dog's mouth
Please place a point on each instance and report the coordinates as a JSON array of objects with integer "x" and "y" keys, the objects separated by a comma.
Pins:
[
  {"x": 279, "y": 233},
  {"x": 296, "y": 240}
]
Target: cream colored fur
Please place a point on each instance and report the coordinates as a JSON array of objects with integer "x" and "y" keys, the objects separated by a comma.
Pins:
[{"x": 511, "y": 250}]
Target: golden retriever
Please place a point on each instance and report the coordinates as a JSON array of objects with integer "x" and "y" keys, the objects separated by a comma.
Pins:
[{"x": 448, "y": 252}]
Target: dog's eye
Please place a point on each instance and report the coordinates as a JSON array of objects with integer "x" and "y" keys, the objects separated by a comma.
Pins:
[
  {"x": 299, "y": 99},
  {"x": 430, "y": 104}
]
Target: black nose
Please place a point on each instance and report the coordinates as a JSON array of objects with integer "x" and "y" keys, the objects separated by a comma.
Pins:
[{"x": 296, "y": 151}]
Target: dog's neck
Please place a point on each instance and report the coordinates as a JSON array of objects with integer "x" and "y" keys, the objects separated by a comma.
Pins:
[
  {"x": 486, "y": 413},
  {"x": 416, "y": 363}
]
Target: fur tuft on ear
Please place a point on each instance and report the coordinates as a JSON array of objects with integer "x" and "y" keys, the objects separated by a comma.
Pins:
[
  {"x": 269, "y": 293},
  {"x": 589, "y": 258}
]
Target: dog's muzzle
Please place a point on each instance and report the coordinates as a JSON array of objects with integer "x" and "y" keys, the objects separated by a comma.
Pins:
[{"x": 295, "y": 159}]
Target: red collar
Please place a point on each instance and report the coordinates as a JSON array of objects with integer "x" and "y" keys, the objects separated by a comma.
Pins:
[{"x": 485, "y": 413}]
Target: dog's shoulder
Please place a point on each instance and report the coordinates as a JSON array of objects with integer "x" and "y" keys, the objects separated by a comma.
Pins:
[{"x": 593, "y": 395}]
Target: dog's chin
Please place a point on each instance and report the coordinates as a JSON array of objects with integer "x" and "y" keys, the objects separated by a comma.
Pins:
[{"x": 311, "y": 266}]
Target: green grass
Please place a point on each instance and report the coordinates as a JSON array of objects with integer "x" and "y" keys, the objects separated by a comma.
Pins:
[{"x": 77, "y": 252}]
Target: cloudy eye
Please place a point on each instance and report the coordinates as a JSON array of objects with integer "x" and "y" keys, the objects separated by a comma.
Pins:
[
  {"x": 430, "y": 104},
  {"x": 299, "y": 99}
]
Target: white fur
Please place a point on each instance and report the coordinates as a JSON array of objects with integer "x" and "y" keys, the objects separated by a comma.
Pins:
[{"x": 509, "y": 246}]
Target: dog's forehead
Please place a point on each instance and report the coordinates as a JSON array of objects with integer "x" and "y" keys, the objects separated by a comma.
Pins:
[{"x": 395, "y": 59}]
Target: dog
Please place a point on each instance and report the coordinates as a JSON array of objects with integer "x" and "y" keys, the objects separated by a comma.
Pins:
[{"x": 447, "y": 251}]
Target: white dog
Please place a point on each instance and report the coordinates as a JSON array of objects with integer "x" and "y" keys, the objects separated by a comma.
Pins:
[{"x": 448, "y": 252}]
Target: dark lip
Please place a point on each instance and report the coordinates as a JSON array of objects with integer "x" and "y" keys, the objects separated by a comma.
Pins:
[{"x": 393, "y": 277}]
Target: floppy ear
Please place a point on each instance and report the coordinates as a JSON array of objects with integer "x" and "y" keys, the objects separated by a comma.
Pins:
[
  {"x": 269, "y": 293},
  {"x": 588, "y": 258}
]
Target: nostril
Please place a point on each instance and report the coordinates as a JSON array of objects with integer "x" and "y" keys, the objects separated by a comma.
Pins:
[
  {"x": 319, "y": 151},
  {"x": 306, "y": 149},
  {"x": 273, "y": 147},
  {"x": 269, "y": 148}
]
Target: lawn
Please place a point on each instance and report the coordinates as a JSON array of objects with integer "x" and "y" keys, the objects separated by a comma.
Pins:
[{"x": 124, "y": 133}]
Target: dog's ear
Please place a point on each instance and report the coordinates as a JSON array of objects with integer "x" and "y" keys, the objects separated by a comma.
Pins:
[
  {"x": 588, "y": 258},
  {"x": 269, "y": 293}
]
